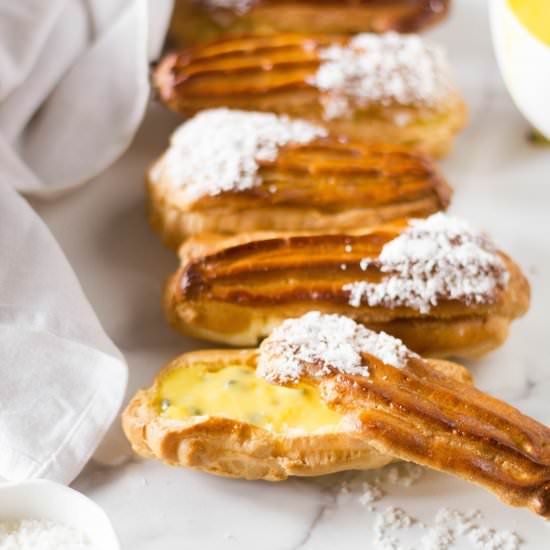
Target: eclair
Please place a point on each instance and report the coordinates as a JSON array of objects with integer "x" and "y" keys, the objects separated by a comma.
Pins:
[
  {"x": 386, "y": 88},
  {"x": 438, "y": 284},
  {"x": 203, "y": 20},
  {"x": 208, "y": 410},
  {"x": 229, "y": 172},
  {"x": 322, "y": 394}
]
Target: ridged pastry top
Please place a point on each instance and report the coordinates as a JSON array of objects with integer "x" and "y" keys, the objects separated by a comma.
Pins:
[
  {"x": 220, "y": 149},
  {"x": 254, "y": 157},
  {"x": 331, "y": 343},
  {"x": 419, "y": 266},
  {"x": 387, "y": 69},
  {"x": 413, "y": 412}
]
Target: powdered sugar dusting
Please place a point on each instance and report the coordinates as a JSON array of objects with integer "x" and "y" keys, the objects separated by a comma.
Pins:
[
  {"x": 219, "y": 149},
  {"x": 388, "y": 68},
  {"x": 333, "y": 342},
  {"x": 439, "y": 258}
]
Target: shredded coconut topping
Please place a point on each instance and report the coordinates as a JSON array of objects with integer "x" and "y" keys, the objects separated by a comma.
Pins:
[
  {"x": 439, "y": 258},
  {"x": 333, "y": 342},
  {"x": 31, "y": 534},
  {"x": 219, "y": 149},
  {"x": 388, "y": 68}
]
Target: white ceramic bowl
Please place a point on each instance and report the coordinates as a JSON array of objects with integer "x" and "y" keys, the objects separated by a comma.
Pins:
[
  {"x": 44, "y": 500},
  {"x": 524, "y": 62}
]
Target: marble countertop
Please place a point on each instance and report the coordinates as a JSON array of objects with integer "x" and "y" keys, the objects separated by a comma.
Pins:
[{"x": 502, "y": 183}]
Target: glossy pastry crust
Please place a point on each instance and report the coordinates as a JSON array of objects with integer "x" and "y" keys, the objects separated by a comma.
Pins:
[
  {"x": 235, "y": 291},
  {"x": 233, "y": 448},
  {"x": 419, "y": 415},
  {"x": 326, "y": 185},
  {"x": 196, "y": 21},
  {"x": 275, "y": 74},
  {"x": 426, "y": 412}
]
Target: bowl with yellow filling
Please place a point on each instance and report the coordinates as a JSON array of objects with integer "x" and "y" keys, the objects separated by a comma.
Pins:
[{"x": 521, "y": 35}]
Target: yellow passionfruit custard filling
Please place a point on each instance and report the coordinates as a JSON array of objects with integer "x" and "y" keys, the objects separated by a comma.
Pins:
[
  {"x": 236, "y": 392},
  {"x": 535, "y": 16}
]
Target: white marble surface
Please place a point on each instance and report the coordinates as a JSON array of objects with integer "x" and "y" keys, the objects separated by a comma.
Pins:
[{"x": 502, "y": 183}]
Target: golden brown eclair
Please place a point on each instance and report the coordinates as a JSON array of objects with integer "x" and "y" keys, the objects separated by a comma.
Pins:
[
  {"x": 325, "y": 185},
  {"x": 438, "y": 422},
  {"x": 234, "y": 448},
  {"x": 280, "y": 74},
  {"x": 202, "y": 20},
  {"x": 236, "y": 290},
  {"x": 417, "y": 414},
  {"x": 392, "y": 404}
]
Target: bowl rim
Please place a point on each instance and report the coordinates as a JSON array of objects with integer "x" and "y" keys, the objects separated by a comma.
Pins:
[
  {"x": 71, "y": 493},
  {"x": 505, "y": 8}
]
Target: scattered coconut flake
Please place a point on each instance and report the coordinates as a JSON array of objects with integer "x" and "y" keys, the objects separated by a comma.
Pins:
[
  {"x": 461, "y": 522},
  {"x": 392, "y": 519},
  {"x": 333, "y": 342},
  {"x": 219, "y": 149},
  {"x": 364, "y": 264},
  {"x": 447, "y": 528},
  {"x": 396, "y": 518},
  {"x": 439, "y": 258},
  {"x": 369, "y": 486},
  {"x": 481, "y": 537},
  {"x": 387, "y": 68},
  {"x": 240, "y": 7},
  {"x": 365, "y": 491},
  {"x": 404, "y": 474},
  {"x": 437, "y": 538},
  {"x": 370, "y": 493}
]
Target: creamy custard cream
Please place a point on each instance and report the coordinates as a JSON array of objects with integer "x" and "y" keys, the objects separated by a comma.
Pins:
[
  {"x": 236, "y": 392},
  {"x": 535, "y": 15}
]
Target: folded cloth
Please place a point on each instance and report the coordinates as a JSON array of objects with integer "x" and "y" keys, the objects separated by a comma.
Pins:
[
  {"x": 62, "y": 380},
  {"x": 73, "y": 90},
  {"x": 74, "y": 85}
]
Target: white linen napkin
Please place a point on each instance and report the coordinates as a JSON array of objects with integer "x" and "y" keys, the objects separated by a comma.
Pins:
[
  {"x": 61, "y": 379},
  {"x": 74, "y": 84}
]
